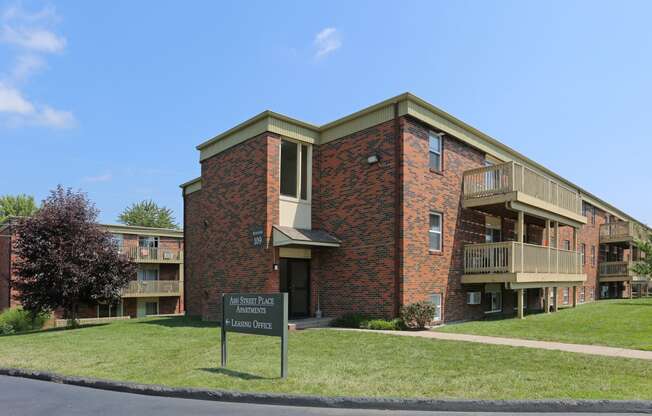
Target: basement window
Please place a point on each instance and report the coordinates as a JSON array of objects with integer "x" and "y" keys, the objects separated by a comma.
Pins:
[
  {"x": 436, "y": 300},
  {"x": 565, "y": 295}
]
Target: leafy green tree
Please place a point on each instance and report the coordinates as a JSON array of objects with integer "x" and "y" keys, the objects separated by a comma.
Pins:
[
  {"x": 148, "y": 214},
  {"x": 644, "y": 267},
  {"x": 65, "y": 259},
  {"x": 16, "y": 206}
]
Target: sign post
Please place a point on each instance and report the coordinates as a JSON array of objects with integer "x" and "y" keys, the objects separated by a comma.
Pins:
[{"x": 258, "y": 314}]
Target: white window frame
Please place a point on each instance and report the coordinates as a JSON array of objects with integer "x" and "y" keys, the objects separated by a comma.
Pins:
[
  {"x": 474, "y": 298},
  {"x": 437, "y": 153},
  {"x": 438, "y": 306},
  {"x": 582, "y": 296},
  {"x": 565, "y": 295},
  {"x": 440, "y": 232},
  {"x": 499, "y": 295},
  {"x": 299, "y": 145}
]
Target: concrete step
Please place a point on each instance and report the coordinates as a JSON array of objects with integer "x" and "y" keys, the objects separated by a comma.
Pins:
[{"x": 306, "y": 323}]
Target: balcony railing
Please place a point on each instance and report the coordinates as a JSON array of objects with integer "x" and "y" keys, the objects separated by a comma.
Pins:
[
  {"x": 152, "y": 288},
  {"x": 616, "y": 268},
  {"x": 510, "y": 177},
  {"x": 515, "y": 257},
  {"x": 621, "y": 231},
  {"x": 152, "y": 254}
]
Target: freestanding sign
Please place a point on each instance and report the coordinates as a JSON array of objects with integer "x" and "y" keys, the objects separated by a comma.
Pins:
[{"x": 258, "y": 314}]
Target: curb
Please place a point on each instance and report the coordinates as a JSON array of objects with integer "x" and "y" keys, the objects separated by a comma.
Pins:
[{"x": 526, "y": 406}]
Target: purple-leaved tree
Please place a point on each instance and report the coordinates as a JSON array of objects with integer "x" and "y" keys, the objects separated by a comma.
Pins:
[{"x": 65, "y": 258}]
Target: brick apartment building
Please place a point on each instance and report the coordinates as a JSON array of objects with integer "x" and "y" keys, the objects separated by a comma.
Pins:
[
  {"x": 157, "y": 288},
  {"x": 397, "y": 203}
]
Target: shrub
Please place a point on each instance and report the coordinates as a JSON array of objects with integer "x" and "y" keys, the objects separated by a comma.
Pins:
[
  {"x": 384, "y": 325},
  {"x": 417, "y": 315},
  {"x": 350, "y": 320},
  {"x": 18, "y": 320}
]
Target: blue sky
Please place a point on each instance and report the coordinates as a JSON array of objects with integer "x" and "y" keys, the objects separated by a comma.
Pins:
[{"x": 112, "y": 97}]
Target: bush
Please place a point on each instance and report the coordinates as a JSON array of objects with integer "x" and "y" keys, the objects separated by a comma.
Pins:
[
  {"x": 350, "y": 320},
  {"x": 384, "y": 325},
  {"x": 18, "y": 320},
  {"x": 417, "y": 315}
]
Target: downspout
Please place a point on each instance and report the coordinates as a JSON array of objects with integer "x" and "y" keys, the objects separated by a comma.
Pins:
[
  {"x": 185, "y": 274},
  {"x": 398, "y": 211}
]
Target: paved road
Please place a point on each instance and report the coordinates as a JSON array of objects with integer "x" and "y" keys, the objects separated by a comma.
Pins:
[{"x": 24, "y": 397}]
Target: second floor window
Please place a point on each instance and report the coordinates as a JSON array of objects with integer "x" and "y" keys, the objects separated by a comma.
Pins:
[
  {"x": 148, "y": 241},
  {"x": 583, "y": 251},
  {"x": 434, "y": 232},
  {"x": 434, "y": 151},
  {"x": 294, "y": 169},
  {"x": 567, "y": 245},
  {"x": 593, "y": 256}
]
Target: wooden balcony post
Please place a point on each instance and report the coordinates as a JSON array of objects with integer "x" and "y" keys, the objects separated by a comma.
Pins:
[
  {"x": 574, "y": 296},
  {"x": 519, "y": 294},
  {"x": 546, "y": 299},
  {"x": 557, "y": 247},
  {"x": 521, "y": 235},
  {"x": 555, "y": 303},
  {"x": 548, "y": 237}
]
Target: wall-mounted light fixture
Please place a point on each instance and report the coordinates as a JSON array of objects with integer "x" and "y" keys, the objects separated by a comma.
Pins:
[{"x": 372, "y": 159}]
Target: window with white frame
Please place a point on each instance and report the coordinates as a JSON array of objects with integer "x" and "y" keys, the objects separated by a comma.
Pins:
[
  {"x": 434, "y": 149},
  {"x": 582, "y": 294},
  {"x": 473, "y": 298},
  {"x": 148, "y": 241},
  {"x": 565, "y": 295},
  {"x": 567, "y": 245},
  {"x": 295, "y": 165},
  {"x": 583, "y": 251},
  {"x": 494, "y": 301},
  {"x": 434, "y": 231},
  {"x": 436, "y": 299}
]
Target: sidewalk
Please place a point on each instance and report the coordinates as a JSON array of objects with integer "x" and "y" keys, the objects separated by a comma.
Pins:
[{"x": 516, "y": 342}]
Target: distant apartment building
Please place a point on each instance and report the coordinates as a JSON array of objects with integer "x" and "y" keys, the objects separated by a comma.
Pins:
[
  {"x": 397, "y": 203},
  {"x": 156, "y": 289}
]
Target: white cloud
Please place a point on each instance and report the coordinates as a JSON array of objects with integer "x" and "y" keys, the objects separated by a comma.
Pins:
[
  {"x": 99, "y": 178},
  {"x": 59, "y": 119},
  {"x": 32, "y": 35},
  {"x": 35, "y": 39},
  {"x": 12, "y": 101},
  {"x": 327, "y": 41}
]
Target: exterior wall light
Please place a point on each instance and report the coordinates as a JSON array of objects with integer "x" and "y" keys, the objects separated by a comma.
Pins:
[{"x": 372, "y": 159}]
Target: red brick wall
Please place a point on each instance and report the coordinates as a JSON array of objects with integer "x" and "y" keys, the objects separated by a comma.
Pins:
[
  {"x": 355, "y": 201},
  {"x": 425, "y": 272},
  {"x": 5, "y": 271},
  {"x": 239, "y": 192}
]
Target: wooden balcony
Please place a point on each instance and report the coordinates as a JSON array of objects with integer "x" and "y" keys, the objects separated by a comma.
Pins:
[
  {"x": 622, "y": 232},
  {"x": 153, "y": 254},
  {"x": 518, "y": 263},
  {"x": 153, "y": 288},
  {"x": 617, "y": 271},
  {"x": 514, "y": 183}
]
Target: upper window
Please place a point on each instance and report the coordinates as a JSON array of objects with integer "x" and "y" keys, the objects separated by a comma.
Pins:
[
  {"x": 294, "y": 169},
  {"x": 567, "y": 245},
  {"x": 434, "y": 148},
  {"x": 583, "y": 251},
  {"x": 118, "y": 240},
  {"x": 148, "y": 273},
  {"x": 593, "y": 256},
  {"x": 147, "y": 241},
  {"x": 434, "y": 232}
]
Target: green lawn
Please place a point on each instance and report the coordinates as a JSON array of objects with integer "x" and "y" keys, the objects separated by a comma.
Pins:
[
  {"x": 625, "y": 323},
  {"x": 180, "y": 352}
]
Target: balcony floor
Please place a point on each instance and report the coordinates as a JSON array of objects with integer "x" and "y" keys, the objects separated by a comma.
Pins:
[{"x": 529, "y": 279}]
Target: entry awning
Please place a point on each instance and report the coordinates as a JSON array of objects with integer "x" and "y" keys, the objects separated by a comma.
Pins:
[{"x": 286, "y": 236}]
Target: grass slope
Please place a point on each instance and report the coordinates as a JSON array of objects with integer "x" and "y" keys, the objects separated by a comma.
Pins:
[
  {"x": 625, "y": 323},
  {"x": 180, "y": 352}
]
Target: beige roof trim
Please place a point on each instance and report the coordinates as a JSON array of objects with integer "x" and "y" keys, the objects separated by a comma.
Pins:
[
  {"x": 149, "y": 231},
  {"x": 191, "y": 186},
  {"x": 408, "y": 104}
]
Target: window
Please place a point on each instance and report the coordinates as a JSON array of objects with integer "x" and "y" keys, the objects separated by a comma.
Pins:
[
  {"x": 473, "y": 298},
  {"x": 492, "y": 229},
  {"x": 583, "y": 251},
  {"x": 592, "y": 215},
  {"x": 494, "y": 301},
  {"x": 593, "y": 256},
  {"x": 565, "y": 295},
  {"x": 148, "y": 273},
  {"x": 434, "y": 148},
  {"x": 566, "y": 244},
  {"x": 147, "y": 241},
  {"x": 117, "y": 239},
  {"x": 294, "y": 169},
  {"x": 434, "y": 233},
  {"x": 582, "y": 294},
  {"x": 151, "y": 308},
  {"x": 436, "y": 300}
]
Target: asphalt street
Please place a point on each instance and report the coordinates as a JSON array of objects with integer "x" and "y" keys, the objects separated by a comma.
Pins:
[{"x": 25, "y": 397}]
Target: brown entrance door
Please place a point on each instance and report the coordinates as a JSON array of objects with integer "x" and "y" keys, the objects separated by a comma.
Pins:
[{"x": 295, "y": 280}]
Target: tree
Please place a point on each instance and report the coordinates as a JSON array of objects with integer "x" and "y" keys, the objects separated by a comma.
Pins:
[
  {"x": 16, "y": 206},
  {"x": 148, "y": 214},
  {"x": 65, "y": 258},
  {"x": 644, "y": 267}
]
